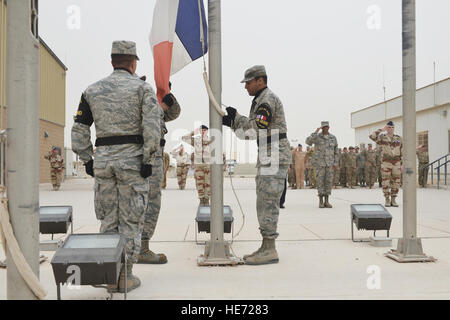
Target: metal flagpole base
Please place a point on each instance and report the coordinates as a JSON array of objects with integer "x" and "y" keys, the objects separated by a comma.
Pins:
[
  {"x": 218, "y": 254},
  {"x": 409, "y": 250}
]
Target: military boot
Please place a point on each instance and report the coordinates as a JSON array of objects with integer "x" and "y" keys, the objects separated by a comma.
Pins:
[
  {"x": 133, "y": 282},
  {"x": 327, "y": 204},
  {"x": 393, "y": 203},
  {"x": 321, "y": 205},
  {"x": 146, "y": 256},
  {"x": 388, "y": 201},
  {"x": 266, "y": 255},
  {"x": 254, "y": 253}
]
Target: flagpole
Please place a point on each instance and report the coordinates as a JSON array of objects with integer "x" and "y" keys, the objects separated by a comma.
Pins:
[{"x": 216, "y": 250}]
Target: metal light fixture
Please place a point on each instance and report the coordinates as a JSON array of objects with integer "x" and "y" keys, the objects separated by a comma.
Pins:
[
  {"x": 203, "y": 220},
  {"x": 370, "y": 217}
]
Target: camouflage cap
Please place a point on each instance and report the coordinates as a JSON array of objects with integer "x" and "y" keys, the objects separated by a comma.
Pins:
[
  {"x": 324, "y": 124},
  {"x": 254, "y": 72},
  {"x": 124, "y": 47}
]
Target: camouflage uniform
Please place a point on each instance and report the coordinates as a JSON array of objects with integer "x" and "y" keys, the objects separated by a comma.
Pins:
[
  {"x": 337, "y": 172},
  {"x": 311, "y": 168},
  {"x": 342, "y": 161},
  {"x": 361, "y": 160},
  {"x": 56, "y": 169},
  {"x": 326, "y": 156},
  {"x": 299, "y": 164},
  {"x": 166, "y": 168},
  {"x": 157, "y": 179},
  {"x": 119, "y": 105},
  {"x": 422, "y": 169},
  {"x": 202, "y": 160},
  {"x": 391, "y": 151},
  {"x": 291, "y": 174},
  {"x": 182, "y": 159},
  {"x": 370, "y": 167},
  {"x": 378, "y": 151},
  {"x": 350, "y": 168}
]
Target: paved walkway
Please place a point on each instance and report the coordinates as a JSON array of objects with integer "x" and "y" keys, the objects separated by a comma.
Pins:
[{"x": 317, "y": 258}]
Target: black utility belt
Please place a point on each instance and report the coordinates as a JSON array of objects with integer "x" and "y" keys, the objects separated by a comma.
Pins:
[
  {"x": 116, "y": 140},
  {"x": 269, "y": 138}
]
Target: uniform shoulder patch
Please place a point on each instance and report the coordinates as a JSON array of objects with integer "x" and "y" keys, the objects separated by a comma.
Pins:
[
  {"x": 84, "y": 114},
  {"x": 263, "y": 116}
]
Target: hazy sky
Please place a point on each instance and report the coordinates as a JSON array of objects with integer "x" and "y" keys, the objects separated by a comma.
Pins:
[{"x": 324, "y": 58}]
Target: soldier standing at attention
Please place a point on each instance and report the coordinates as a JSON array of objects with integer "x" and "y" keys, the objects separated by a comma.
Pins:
[
  {"x": 170, "y": 110},
  {"x": 266, "y": 123},
  {"x": 56, "y": 167},
  {"x": 350, "y": 167},
  {"x": 337, "y": 172},
  {"x": 127, "y": 121},
  {"x": 166, "y": 168},
  {"x": 391, "y": 161},
  {"x": 299, "y": 163},
  {"x": 370, "y": 166},
  {"x": 378, "y": 151},
  {"x": 182, "y": 159},
  {"x": 202, "y": 159},
  {"x": 424, "y": 160},
  {"x": 326, "y": 157},
  {"x": 342, "y": 162},
  {"x": 361, "y": 159}
]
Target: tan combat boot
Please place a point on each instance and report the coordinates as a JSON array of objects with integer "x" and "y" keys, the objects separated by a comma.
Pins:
[
  {"x": 321, "y": 205},
  {"x": 327, "y": 204},
  {"x": 133, "y": 282},
  {"x": 256, "y": 252},
  {"x": 393, "y": 203},
  {"x": 267, "y": 255},
  {"x": 388, "y": 201},
  {"x": 146, "y": 256}
]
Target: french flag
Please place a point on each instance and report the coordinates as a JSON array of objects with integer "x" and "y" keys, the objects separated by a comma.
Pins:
[{"x": 175, "y": 38}]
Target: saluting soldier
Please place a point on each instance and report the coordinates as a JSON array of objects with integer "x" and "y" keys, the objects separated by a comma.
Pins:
[
  {"x": 56, "y": 167},
  {"x": 391, "y": 161},
  {"x": 182, "y": 160},
  {"x": 326, "y": 161},
  {"x": 266, "y": 123}
]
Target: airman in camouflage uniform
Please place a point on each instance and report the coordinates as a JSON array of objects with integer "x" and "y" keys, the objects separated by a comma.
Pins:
[
  {"x": 267, "y": 124},
  {"x": 291, "y": 172},
  {"x": 370, "y": 166},
  {"x": 310, "y": 166},
  {"x": 350, "y": 168},
  {"x": 391, "y": 166},
  {"x": 170, "y": 110},
  {"x": 127, "y": 121},
  {"x": 361, "y": 160},
  {"x": 182, "y": 160},
  {"x": 56, "y": 167},
  {"x": 326, "y": 158},
  {"x": 424, "y": 160},
  {"x": 202, "y": 159}
]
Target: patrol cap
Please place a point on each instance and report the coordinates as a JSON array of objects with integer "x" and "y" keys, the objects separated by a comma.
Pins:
[
  {"x": 324, "y": 124},
  {"x": 254, "y": 72},
  {"x": 204, "y": 127},
  {"x": 124, "y": 47},
  {"x": 390, "y": 123},
  {"x": 300, "y": 145}
]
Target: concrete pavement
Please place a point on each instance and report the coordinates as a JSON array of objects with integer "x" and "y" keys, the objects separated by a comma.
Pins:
[{"x": 317, "y": 258}]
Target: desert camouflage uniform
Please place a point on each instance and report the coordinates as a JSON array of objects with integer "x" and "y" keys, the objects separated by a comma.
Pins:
[
  {"x": 342, "y": 161},
  {"x": 378, "y": 151},
  {"x": 391, "y": 161},
  {"x": 326, "y": 156},
  {"x": 157, "y": 179},
  {"x": 166, "y": 168},
  {"x": 202, "y": 161},
  {"x": 422, "y": 169},
  {"x": 361, "y": 160},
  {"x": 182, "y": 167},
  {"x": 291, "y": 175},
  {"x": 370, "y": 167},
  {"x": 56, "y": 169},
  {"x": 310, "y": 166},
  {"x": 119, "y": 105},
  {"x": 274, "y": 157},
  {"x": 337, "y": 172}
]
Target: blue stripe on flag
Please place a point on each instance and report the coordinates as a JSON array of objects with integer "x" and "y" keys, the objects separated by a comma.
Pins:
[{"x": 188, "y": 27}]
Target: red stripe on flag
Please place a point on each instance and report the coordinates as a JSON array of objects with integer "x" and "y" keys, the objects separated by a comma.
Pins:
[{"x": 162, "y": 55}]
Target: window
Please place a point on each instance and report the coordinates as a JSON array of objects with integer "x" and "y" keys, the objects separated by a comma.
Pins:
[{"x": 422, "y": 138}]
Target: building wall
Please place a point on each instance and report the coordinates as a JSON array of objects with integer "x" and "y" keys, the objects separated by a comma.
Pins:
[
  {"x": 436, "y": 121},
  {"x": 2, "y": 63}
]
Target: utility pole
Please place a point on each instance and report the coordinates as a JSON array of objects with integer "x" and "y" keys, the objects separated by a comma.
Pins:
[
  {"x": 409, "y": 248},
  {"x": 216, "y": 250},
  {"x": 23, "y": 140}
]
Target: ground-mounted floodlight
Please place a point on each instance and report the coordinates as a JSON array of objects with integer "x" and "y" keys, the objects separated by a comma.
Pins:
[
  {"x": 371, "y": 217},
  {"x": 55, "y": 219},
  {"x": 203, "y": 220},
  {"x": 89, "y": 259}
]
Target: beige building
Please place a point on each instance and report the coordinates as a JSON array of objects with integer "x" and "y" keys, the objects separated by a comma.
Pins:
[{"x": 52, "y": 97}]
